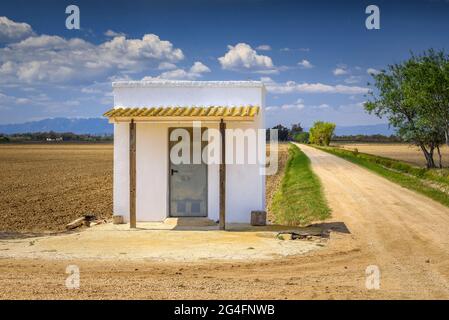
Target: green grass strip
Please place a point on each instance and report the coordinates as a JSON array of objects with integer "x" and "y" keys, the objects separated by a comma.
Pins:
[
  {"x": 405, "y": 175},
  {"x": 300, "y": 199}
]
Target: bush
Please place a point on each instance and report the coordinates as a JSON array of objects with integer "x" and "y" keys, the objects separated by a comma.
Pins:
[
  {"x": 302, "y": 137},
  {"x": 321, "y": 133}
]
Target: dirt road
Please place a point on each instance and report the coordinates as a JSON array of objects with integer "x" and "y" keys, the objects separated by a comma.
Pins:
[
  {"x": 374, "y": 223},
  {"x": 406, "y": 234}
]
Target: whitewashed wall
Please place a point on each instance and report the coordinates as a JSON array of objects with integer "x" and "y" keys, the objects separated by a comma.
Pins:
[
  {"x": 152, "y": 171},
  {"x": 121, "y": 170},
  {"x": 187, "y": 93},
  {"x": 245, "y": 186}
]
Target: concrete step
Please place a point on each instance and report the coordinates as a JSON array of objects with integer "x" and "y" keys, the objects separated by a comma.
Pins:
[{"x": 190, "y": 222}]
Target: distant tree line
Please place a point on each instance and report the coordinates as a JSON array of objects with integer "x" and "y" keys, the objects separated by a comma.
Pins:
[
  {"x": 52, "y": 136},
  {"x": 379, "y": 138},
  {"x": 414, "y": 97},
  {"x": 286, "y": 134},
  {"x": 322, "y": 133}
]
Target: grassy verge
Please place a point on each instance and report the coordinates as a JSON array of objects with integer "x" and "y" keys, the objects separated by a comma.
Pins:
[
  {"x": 300, "y": 199},
  {"x": 427, "y": 182},
  {"x": 273, "y": 182}
]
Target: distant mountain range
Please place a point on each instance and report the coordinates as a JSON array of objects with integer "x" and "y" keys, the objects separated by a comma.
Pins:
[
  {"x": 365, "y": 130},
  {"x": 100, "y": 126},
  {"x": 94, "y": 126}
]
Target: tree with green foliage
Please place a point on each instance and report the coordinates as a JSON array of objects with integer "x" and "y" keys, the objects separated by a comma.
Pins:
[
  {"x": 302, "y": 137},
  {"x": 430, "y": 84},
  {"x": 321, "y": 133},
  {"x": 283, "y": 132},
  {"x": 413, "y": 97},
  {"x": 296, "y": 129}
]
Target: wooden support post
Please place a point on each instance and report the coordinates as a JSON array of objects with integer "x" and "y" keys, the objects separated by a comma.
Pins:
[
  {"x": 223, "y": 177},
  {"x": 132, "y": 174}
]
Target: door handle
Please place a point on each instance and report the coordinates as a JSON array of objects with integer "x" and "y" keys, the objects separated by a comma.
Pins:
[{"x": 173, "y": 171}]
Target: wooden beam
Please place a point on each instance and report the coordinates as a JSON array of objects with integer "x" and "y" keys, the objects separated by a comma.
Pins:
[
  {"x": 132, "y": 174},
  {"x": 222, "y": 219},
  {"x": 183, "y": 119}
]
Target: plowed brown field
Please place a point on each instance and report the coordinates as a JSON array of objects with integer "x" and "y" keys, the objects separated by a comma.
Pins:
[{"x": 43, "y": 187}]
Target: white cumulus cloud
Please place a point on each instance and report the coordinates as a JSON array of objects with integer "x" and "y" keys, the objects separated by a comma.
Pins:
[
  {"x": 53, "y": 59},
  {"x": 294, "y": 87},
  {"x": 196, "y": 71},
  {"x": 199, "y": 67},
  {"x": 264, "y": 47},
  {"x": 372, "y": 71},
  {"x": 305, "y": 64},
  {"x": 13, "y": 31},
  {"x": 297, "y": 105},
  {"x": 112, "y": 33},
  {"x": 243, "y": 57},
  {"x": 322, "y": 106},
  {"x": 340, "y": 71},
  {"x": 353, "y": 79},
  {"x": 166, "y": 66},
  {"x": 271, "y": 108}
]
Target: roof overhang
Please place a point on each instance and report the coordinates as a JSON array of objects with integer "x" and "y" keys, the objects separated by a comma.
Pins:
[{"x": 183, "y": 114}]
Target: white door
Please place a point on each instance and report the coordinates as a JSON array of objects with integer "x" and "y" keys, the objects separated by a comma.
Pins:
[{"x": 188, "y": 185}]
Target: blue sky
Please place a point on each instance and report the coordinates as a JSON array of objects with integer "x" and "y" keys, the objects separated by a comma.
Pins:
[{"x": 314, "y": 57}]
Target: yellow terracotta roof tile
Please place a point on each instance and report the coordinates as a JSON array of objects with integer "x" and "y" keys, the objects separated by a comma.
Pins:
[{"x": 193, "y": 111}]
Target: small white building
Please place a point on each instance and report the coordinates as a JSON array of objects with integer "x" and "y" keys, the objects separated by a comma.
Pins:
[{"x": 150, "y": 186}]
